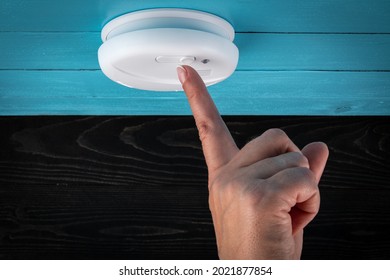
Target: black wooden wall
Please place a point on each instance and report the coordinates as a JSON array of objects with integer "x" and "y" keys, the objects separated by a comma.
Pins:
[{"x": 136, "y": 187}]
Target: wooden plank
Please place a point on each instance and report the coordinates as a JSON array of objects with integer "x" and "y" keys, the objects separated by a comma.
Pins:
[
  {"x": 356, "y": 16},
  {"x": 313, "y": 52},
  {"x": 246, "y": 93},
  {"x": 43, "y": 50},
  {"x": 136, "y": 187}
]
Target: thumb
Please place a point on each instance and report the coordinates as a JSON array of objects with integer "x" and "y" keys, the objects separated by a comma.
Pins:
[{"x": 317, "y": 153}]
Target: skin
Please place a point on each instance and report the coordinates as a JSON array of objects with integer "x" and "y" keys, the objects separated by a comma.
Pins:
[{"x": 262, "y": 196}]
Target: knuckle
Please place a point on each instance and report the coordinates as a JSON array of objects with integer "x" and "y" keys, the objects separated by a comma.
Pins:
[
  {"x": 204, "y": 129},
  {"x": 306, "y": 173},
  {"x": 226, "y": 187},
  {"x": 233, "y": 188},
  {"x": 302, "y": 171},
  {"x": 207, "y": 127},
  {"x": 275, "y": 133},
  {"x": 299, "y": 159}
]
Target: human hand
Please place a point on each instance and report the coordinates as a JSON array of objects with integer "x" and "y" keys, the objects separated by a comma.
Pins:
[{"x": 262, "y": 196}]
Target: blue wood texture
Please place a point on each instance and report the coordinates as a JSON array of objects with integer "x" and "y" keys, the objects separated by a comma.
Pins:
[
  {"x": 323, "y": 57},
  {"x": 245, "y": 93},
  {"x": 334, "y": 16}
]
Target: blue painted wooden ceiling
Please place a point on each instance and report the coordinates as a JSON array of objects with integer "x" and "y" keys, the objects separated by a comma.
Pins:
[{"x": 302, "y": 57}]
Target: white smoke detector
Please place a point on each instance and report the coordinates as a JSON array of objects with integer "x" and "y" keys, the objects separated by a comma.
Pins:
[{"x": 143, "y": 49}]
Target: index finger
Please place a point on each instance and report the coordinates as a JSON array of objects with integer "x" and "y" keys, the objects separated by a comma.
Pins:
[{"x": 217, "y": 142}]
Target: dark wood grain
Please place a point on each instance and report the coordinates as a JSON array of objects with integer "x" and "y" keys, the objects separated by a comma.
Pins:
[{"x": 136, "y": 187}]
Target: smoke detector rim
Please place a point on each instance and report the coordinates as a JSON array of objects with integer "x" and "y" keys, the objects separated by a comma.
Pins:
[{"x": 151, "y": 18}]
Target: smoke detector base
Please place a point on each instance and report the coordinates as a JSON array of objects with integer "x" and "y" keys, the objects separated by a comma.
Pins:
[{"x": 143, "y": 49}]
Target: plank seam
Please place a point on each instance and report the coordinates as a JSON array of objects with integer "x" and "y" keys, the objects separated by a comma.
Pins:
[
  {"x": 237, "y": 32},
  {"x": 239, "y": 70}
]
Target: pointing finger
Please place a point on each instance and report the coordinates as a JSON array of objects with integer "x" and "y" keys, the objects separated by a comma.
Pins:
[{"x": 217, "y": 142}]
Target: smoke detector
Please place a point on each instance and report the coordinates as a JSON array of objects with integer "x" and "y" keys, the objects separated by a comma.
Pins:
[{"x": 143, "y": 49}]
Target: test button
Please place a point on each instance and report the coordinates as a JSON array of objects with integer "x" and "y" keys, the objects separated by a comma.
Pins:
[
  {"x": 175, "y": 59},
  {"x": 187, "y": 59}
]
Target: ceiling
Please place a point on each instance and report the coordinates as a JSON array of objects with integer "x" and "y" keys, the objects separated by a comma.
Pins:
[{"x": 302, "y": 57}]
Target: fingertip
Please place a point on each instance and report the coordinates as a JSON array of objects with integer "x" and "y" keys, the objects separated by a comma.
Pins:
[
  {"x": 191, "y": 81},
  {"x": 191, "y": 71},
  {"x": 181, "y": 74}
]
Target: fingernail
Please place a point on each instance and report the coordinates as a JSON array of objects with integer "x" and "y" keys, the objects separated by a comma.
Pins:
[{"x": 182, "y": 74}]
